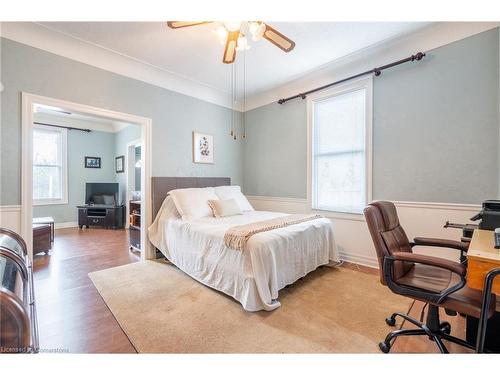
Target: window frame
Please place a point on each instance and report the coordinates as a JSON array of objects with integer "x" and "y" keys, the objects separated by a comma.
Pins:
[
  {"x": 64, "y": 168},
  {"x": 365, "y": 83}
]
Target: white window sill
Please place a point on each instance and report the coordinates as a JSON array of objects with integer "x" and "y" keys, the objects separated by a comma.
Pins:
[
  {"x": 49, "y": 202},
  {"x": 340, "y": 215}
]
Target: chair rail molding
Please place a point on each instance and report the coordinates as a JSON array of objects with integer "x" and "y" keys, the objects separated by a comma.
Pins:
[
  {"x": 10, "y": 208},
  {"x": 351, "y": 232},
  {"x": 410, "y": 204}
]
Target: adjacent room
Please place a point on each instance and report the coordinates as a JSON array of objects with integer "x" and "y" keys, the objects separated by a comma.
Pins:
[
  {"x": 86, "y": 192},
  {"x": 343, "y": 197}
]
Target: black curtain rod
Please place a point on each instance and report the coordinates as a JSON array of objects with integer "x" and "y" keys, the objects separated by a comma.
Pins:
[
  {"x": 63, "y": 127},
  {"x": 376, "y": 71}
]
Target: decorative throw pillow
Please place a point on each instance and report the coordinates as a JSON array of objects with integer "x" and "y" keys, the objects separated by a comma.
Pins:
[
  {"x": 234, "y": 192},
  {"x": 192, "y": 203},
  {"x": 222, "y": 208}
]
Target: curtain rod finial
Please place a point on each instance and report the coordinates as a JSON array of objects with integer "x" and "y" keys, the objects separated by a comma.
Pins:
[{"x": 419, "y": 56}]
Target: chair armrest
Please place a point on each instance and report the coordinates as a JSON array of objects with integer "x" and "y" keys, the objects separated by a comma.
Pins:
[
  {"x": 439, "y": 242},
  {"x": 422, "y": 294},
  {"x": 454, "y": 267}
]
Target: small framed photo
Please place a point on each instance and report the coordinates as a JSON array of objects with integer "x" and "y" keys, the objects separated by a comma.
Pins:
[
  {"x": 120, "y": 164},
  {"x": 92, "y": 162},
  {"x": 203, "y": 148}
]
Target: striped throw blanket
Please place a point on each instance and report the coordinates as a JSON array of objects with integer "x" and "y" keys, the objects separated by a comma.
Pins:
[{"x": 236, "y": 237}]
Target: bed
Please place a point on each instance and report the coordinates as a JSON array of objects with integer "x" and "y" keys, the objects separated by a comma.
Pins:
[{"x": 253, "y": 276}]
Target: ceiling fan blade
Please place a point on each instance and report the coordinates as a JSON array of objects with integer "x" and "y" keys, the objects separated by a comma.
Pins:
[
  {"x": 230, "y": 48},
  {"x": 181, "y": 24},
  {"x": 278, "y": 39}
]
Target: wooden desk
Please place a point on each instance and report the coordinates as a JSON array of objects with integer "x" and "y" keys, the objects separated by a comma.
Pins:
[{"x": 482, "y": 257}]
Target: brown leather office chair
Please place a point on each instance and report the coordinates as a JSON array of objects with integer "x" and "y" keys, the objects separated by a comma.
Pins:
[{"x": 436, "y": 281}]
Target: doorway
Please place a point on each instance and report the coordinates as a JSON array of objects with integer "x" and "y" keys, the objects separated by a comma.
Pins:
[
  {"x": 30, "y": 105},
  {"x": 133, "y": 162}
]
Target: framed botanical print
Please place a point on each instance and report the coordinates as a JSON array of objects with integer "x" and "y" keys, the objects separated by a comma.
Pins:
[
  {"x": 92, "y": 162},
  {"x": 119, "y": 164},
  {"x": 203, "y": 148}
]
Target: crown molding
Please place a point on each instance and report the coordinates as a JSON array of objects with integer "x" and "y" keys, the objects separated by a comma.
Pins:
[
  {"x": 41, "y": 37},
  {"x": 425, "y": 39}
]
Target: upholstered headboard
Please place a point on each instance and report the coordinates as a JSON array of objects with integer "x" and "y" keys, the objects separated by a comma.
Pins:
[{"x": 160, "y": 186}]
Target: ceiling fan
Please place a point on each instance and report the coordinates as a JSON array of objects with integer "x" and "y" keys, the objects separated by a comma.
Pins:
[{"x": 233, "y": 34}]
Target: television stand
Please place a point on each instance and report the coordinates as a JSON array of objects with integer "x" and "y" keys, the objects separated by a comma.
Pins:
[{"x": 100, "y": 215}]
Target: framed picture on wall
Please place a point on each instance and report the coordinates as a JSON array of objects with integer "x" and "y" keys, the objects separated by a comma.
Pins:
[
  {"x": 203, "y": 148},
  {"x": 120, "y": 164},
  {"x": 92, "y": 162}
]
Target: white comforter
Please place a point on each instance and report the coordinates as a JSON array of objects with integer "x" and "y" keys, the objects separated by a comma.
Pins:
[{"x": 271, "y": 260}]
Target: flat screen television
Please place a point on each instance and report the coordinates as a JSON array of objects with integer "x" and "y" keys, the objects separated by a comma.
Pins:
[{"x": 101, "y": 193}]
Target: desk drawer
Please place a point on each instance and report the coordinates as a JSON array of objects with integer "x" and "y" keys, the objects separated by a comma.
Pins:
[
  {"x": 477, "y": 271},
  {"x": 96, "y": 220}
]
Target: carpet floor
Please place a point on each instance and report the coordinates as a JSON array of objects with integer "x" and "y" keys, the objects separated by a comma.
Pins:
[{"x": 162, "y": 310}]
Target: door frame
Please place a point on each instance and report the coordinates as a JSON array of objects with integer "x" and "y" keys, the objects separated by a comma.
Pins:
[
  {"x": 128, "y": 176},
  {"x": 28, "y": 105}
]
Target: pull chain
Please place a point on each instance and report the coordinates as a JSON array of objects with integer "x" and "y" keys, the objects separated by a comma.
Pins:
[
  {"x": 231, "y": 133},
  {"x": 244, "y": 92},
  {"x": 234, "y": 97}
]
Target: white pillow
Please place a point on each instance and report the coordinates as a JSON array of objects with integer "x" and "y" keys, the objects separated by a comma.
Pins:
[
  {"x": 222, "y": 208},
  {"x": 193, "y": 203},
  {"x": 234, "y": 192}
]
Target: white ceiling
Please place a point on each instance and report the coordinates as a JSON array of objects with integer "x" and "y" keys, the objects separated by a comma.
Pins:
[{"x": 196, "y": 54}]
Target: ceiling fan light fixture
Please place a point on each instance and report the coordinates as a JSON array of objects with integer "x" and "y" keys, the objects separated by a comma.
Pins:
[
  {"x": 232, "y": 34},
  {"x": 256, "y": 28},
  {"x": 221, "y": 33},
  {"x": 242, "y": 43},
  {"x": 232, "y": 25}
]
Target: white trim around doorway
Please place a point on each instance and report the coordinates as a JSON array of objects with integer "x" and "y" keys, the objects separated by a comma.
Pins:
[
  {"x": 128, "y": 176},
  {"x": 28, "y": 105}
]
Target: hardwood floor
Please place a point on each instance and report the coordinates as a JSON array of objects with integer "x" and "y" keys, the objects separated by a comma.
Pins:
[
  {"x": 73, "y": 318},
  {"x": 71, "y": 314}
]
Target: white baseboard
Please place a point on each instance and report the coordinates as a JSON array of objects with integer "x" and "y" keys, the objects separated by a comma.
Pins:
[
  {"x": 362, "y": 260},
  {"x": 10, "y": 217},
  {"x": 68, "y": 224}
]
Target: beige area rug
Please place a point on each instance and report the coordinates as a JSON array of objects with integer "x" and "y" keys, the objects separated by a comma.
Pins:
[{"x": 162, "y": 310}]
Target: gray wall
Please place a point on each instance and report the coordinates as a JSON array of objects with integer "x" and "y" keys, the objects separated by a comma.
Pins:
[
  {"x": 276, "y": 150},
  {"x": 174, "y": 116},
  {"x": 80, "y": 144},
  {"x": 435, "y": 131}
]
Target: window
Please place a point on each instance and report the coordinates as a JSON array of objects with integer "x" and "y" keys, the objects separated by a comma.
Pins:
[
  {"x": 341, "y": 131},
  {"x": 49, "y": 165}
]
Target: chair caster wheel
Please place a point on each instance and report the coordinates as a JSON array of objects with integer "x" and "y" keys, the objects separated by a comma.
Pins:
[
  {"x": 391, "y": 322},
  {"x": 445, "y": 327},
  {"x": 384, "y": 347}
]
